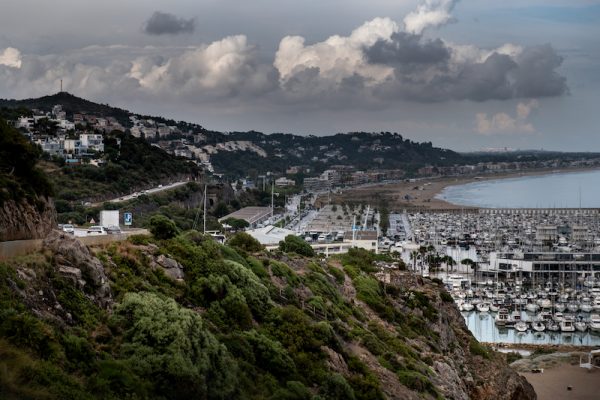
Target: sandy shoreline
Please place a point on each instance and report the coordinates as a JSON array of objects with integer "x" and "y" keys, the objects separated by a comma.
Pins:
[
  {"x": 553, "y": 383},
  {"x": 422, "y": 192}
]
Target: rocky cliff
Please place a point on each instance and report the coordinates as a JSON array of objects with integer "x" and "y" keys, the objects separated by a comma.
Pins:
[
  {"x": 26, "y": 219},
  {"x": 188, "y": 318}
]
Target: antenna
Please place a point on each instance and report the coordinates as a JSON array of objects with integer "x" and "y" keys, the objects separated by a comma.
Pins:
[{"x": 61, "y": 86}]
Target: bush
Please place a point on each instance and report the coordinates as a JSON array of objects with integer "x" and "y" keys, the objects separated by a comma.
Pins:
[
  {"x": 295, "y": 244},
  {"x": 478, "y": 349},
  {"x": 245, "y": 242},
  {"x": 236, "y": 223},
  {"x": 170, "y": 346},
  {"x": 163, "y": 227},
  {"x": 446, "y": 298}
]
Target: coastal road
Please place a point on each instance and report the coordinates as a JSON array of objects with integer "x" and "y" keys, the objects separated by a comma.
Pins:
[{"x": 157, "y": 189}]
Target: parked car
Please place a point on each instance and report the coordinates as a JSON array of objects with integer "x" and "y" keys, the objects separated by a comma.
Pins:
[
  {"x": 113, "y": 230},
  {"x": 68, "y": 228},
  {"x": 96, "y": 230}
]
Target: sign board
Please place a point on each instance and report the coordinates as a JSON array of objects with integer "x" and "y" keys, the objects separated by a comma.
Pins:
[{"x": 127, "y": 218}]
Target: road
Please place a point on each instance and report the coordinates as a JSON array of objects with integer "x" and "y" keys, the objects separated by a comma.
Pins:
[{"x": 149, "y": 191}]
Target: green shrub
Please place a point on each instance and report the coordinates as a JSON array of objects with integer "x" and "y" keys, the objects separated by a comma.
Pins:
[
  {"x": 295, "y": 244},
  {"x": 163, "y": 227},
  {"x": 336, "y": 387},
  {"x": 478, "y": 349},
  {"x": 445, "y": 296},
  {"x": 170, "y": 346},
  {"x": 416, "y": 381},
  {"x": 245, "y": 242}
]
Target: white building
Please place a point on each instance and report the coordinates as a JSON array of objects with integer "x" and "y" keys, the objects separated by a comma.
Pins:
[{"x": 92, "y": 141}]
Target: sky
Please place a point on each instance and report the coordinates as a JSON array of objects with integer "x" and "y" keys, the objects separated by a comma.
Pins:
[{"x": 463, "y": 74}]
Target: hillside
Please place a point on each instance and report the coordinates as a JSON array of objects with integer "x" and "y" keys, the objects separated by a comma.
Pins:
[
  {"x": 232, "y": 153},
  {"x": 185, "y": 318},
  {"x": 26, "y": 211}
]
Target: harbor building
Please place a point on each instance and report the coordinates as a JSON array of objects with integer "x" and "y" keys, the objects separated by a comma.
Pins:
[{"x": 542, "y": 265}]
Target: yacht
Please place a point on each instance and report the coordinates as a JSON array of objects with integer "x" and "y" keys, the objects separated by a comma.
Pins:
[
  {"x": 483, "y": 307},
  {"x": 581, "y": 325},
  {"x": 538, "y": 326},
  {"x": 552, "y": 326},
  {"x": 521, "y": 326},
  {"x": 532, "y": 307},
  {"x": 558, "y": 317},
  {"x": 595, "y": 323},
  {"x": 560, "y": 306},
  {"x": 586, "y": 307},
  {"x": 596, "y": 304},
  {"x": 567, "y": 325},
  {"x": 467, "y": 306},
  {"x": 502, "y": 317},
  {"x": 573, "y": 307}
]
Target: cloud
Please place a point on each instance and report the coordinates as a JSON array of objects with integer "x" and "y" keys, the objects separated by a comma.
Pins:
[
  {"x": 168, "y": 24},
  {"x": 431, "y": 13},
  {"x": 377, "y": 65},
  {"x": 502, "y": 123},
  {"x": 11, "y": 57},
  {"x": 224, "y": 68}
]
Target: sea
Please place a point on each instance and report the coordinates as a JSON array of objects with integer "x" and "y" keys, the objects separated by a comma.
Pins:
[
  {"x": 553, "y": 190},
  {"x": 484, "y": 329}
]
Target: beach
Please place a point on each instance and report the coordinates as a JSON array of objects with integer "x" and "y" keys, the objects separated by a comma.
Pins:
[
  {"x": 420, "y": 193},
  {"x": 553, "y": 383}
]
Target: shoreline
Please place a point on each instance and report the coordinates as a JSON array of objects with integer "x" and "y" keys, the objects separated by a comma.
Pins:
[{"x": 422, "y": 192}]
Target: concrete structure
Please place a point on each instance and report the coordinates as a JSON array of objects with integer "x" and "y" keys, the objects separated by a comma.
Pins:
[
  {"x": 270, "y": 235},
  {"x": 109, "y": 218},
  {"x": 252, "y": 215},
  {"x": 283, "y": 182},
  {"x": 363, "y": 239},
  {"x": 543, "y": 264},
  {"x": 546, "y": 233}
]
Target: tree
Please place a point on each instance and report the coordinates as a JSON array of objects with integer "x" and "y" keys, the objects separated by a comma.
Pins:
[
  {"x": 162, "y": 227},
  {"x": 470, "y": 263},
  {"x": 295, "y": 244},
  {"x": 221, "y": 210},
  {"x": 236, "y": 223},
  {"x": 245, "y": 242},
  {"x": 171, "y": 346}
]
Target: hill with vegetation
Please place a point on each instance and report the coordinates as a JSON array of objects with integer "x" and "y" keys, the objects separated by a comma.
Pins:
[
  {"x": 26, "y": 211},
  {"x": 179, "y": 316}
]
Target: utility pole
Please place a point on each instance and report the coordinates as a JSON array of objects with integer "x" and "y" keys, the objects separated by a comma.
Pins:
[
  {"x": 272, "y": 199},
  {"x": 204, "y": 218}
]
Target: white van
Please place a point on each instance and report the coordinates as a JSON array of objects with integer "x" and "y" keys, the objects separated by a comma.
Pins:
[{"x": 96, "y": 230}]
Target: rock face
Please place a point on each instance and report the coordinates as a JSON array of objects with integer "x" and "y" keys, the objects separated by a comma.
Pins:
[
  {"x": 24, "y": 220},
  {"x": 75, "y": 262},
  {"x": 171, "y": 268}
]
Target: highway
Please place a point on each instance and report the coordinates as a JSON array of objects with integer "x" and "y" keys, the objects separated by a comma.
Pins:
[{"x": 157, "y": 189}]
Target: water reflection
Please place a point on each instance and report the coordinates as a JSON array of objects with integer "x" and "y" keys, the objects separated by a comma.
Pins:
[{"x": 483, "y": 328}]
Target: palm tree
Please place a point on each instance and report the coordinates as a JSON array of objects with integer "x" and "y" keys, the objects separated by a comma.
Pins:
[
  {"x": 413, "y": 256},
  {"x": 469, "y": 263},
  {"x": 449, "y": 263}
]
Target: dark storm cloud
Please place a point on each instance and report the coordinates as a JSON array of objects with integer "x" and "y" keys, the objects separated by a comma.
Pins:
[
  {"x": 168, "y": 24},
  {"x": 537, "y": 76},
  {"x": 425, "y": 71},
  {"x": 406, "y": 49}
]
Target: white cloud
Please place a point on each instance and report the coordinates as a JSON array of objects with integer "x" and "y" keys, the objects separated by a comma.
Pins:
[
  {"x": 223, "y": 68},
  {"x": 502, "y": 123},
  {"x": 337, "y": 57},
  {"x": 11, "y": 57},
  {"x": 430, "y": 13}
]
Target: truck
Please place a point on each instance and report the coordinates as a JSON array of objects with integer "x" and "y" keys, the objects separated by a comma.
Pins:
[{"x": 109, "y": 218}]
